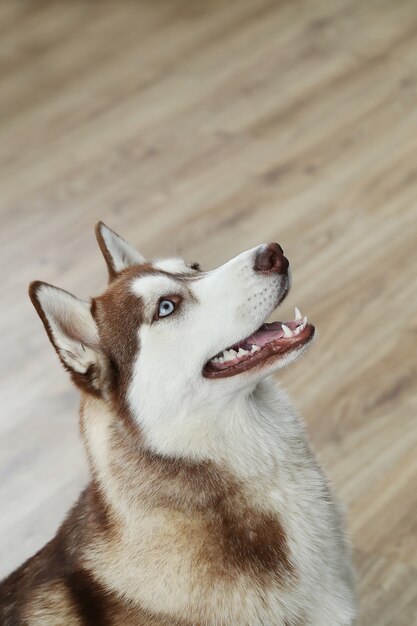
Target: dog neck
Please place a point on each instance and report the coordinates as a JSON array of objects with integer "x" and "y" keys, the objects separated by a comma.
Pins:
[{"x": 246, "y": 439}]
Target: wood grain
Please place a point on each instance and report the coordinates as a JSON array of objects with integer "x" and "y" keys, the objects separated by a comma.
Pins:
[{"x": 203, "y": 128}]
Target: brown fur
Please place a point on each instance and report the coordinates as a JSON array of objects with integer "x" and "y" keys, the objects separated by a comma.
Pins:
[
  {"x": 237, "y": 536},
  {"x": 233, "y": 538},
  {"x": 53, "y": 588},
  {"x": 118, "y": 314}
]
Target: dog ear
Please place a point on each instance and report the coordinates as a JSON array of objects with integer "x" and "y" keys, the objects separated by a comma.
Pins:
[
  {"x": 73, "y": 332},
  {"x": 117, "y": 252}
]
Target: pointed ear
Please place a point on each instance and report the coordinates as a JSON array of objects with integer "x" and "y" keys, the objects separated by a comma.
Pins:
[
  {"x": 73, "y": 332},
  {"x": 117, "y": 253}
]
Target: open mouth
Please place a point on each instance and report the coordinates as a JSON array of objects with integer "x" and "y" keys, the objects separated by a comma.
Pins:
[{"x": 269, "y": 342}]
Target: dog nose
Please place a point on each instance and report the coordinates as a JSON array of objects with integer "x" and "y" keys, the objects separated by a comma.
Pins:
[{"x": 270, "y": 258}]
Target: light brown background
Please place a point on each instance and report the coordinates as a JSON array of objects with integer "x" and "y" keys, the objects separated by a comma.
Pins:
[{"x": 204, "y": 128}]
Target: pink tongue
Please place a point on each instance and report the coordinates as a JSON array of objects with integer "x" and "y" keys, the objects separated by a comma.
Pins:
[{"x": 266, "y": 335}]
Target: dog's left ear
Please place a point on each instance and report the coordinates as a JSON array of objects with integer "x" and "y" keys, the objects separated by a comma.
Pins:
[
  {"x": 117, "y": 252},
  {"x": 73, "y": 333}
]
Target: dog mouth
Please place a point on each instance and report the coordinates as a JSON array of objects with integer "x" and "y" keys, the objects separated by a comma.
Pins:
[{"x": 270, "y": 342}]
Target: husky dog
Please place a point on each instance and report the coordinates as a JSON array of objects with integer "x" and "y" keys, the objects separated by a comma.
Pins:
[{"x": 206, "y": 505}]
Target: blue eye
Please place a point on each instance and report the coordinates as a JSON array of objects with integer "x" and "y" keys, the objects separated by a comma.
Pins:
[{"x": 166, "y": 307}]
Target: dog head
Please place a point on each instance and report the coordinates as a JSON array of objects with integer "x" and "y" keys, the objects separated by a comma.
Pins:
[{"x": 167, "y": 342}]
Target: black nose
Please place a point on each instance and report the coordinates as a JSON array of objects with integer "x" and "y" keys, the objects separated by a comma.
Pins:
[{"x": 270, "y": 258}]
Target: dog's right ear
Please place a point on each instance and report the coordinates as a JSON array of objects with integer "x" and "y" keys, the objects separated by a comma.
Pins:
[
  {"x": 73, "y": 333},
  {"x": 117, "y": 252}
]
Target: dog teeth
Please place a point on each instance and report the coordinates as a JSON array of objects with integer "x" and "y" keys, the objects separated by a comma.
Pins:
[
  {"x": 303, "y": 324},
  {"x": 231, "y": 354}
]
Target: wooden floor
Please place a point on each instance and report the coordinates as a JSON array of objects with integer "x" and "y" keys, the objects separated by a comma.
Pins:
[{"x": 203, "y": 128}]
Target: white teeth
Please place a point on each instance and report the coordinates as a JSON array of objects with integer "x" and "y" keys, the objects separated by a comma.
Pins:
[
  {"x": 231, "y": 354},
  {"x": 303, "y": 323}
]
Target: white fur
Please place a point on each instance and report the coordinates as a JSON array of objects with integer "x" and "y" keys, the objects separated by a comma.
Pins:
[
  {"x": 174, "y": 265},
  {"x": 122, "y": 253},
  {"x": 73, "y": 328},
  {"x": 261, "y": 440},
  {"x": 230, "y": 303}
]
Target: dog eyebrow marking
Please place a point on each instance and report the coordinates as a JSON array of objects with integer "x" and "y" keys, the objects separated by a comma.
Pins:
[
  {"x": 174, "y": 265},
  {"x": 152, "y": 285}
]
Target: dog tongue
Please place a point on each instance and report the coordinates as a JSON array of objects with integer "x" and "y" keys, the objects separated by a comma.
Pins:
[{"x": 266, "y": 334}]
